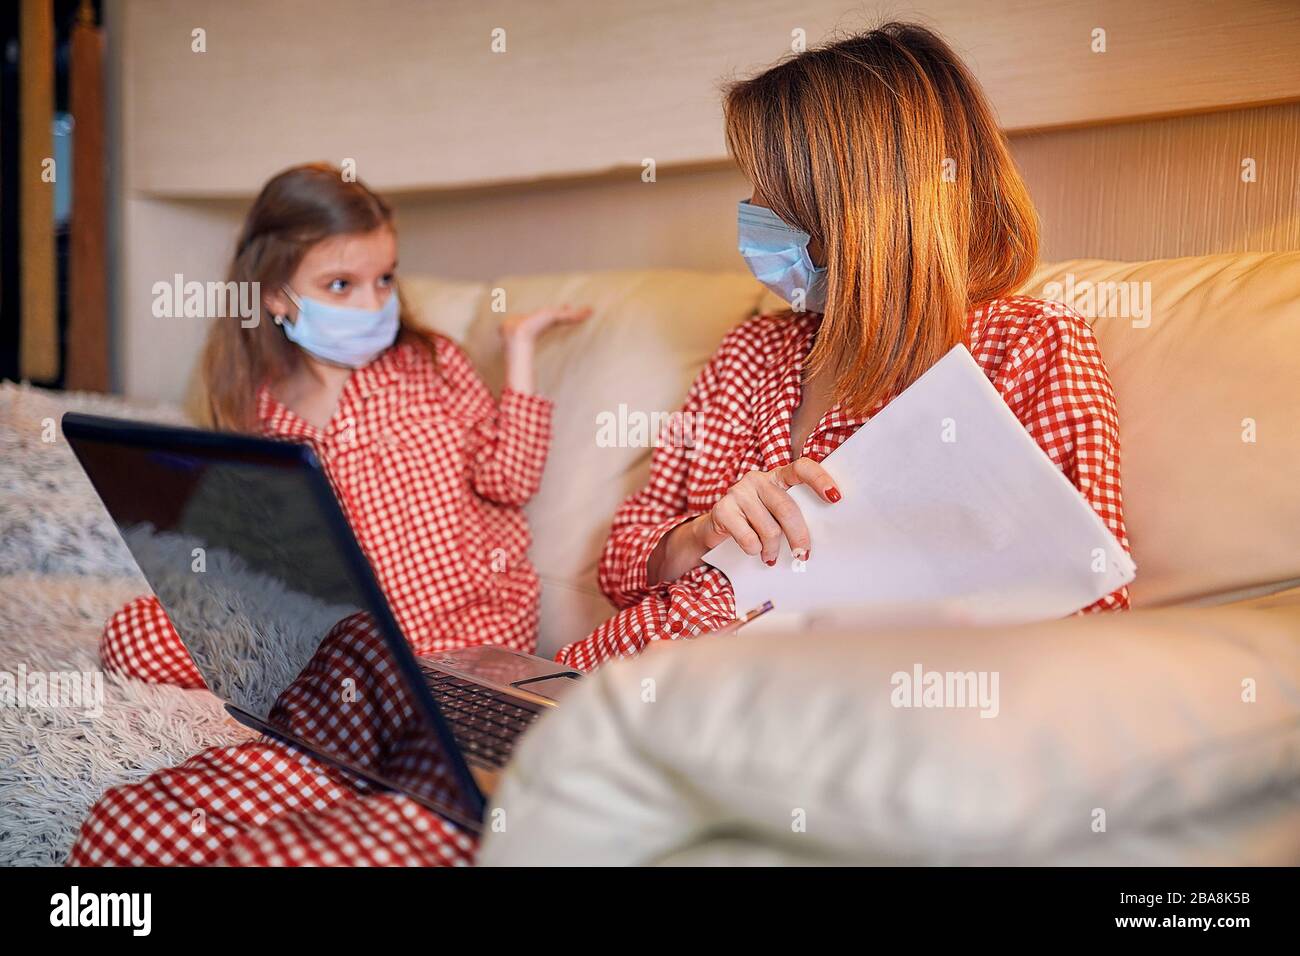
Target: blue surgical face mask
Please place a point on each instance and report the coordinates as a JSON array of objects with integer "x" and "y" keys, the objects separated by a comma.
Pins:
[
  {"x": 777, "y": 254},
  {"x": 343, "y": 335}
]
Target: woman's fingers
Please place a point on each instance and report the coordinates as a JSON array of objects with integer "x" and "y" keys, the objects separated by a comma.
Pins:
[
  {"x": 805, "y": 471},
  {"x": 778, "y": 503},
  {"x": 760, "y": 518},
  {"x": 728, "y": 517},
  {"x": 758, "y": 511}
]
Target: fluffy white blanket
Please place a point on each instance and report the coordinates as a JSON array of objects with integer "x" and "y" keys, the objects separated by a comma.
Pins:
[{"x": 63, "y": 572}]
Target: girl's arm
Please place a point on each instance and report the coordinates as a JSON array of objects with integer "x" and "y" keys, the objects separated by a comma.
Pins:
[
  {"x": 519, "y": 335},
  {"x": 513, "y": 446}
]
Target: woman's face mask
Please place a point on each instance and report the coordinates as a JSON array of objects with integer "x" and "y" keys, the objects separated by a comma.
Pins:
[
  {"x": 777, "y": 254},
  {"x": 340, "y": 334}
]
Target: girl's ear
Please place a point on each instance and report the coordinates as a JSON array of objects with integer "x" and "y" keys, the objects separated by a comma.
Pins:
[{"x": 278, "y": 305}]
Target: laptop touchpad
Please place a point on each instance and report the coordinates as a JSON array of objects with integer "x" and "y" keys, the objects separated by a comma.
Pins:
[{"x": 552, "y": 688}]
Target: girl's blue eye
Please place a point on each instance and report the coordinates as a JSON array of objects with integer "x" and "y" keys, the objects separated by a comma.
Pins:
[
  {"x": 338, "y": 285},
  {"x": 386, "y": 280}
]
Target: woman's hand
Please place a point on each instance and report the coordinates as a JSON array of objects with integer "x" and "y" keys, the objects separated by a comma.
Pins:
[
  {"x": 519, "y": 334},
  {"x": 756, "y": 512}
]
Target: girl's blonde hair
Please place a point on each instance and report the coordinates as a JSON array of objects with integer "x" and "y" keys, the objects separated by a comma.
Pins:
[{"x": 883, "y": 147}]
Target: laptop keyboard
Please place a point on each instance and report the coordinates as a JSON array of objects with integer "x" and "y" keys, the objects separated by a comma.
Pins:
[{"x": 485, "y": 722}]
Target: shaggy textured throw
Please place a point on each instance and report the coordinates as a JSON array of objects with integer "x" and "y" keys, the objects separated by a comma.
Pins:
[{"x": 68, "y": 731}]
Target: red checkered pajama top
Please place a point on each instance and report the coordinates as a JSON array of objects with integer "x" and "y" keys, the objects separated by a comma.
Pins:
[
  {"x": 432, "y": 474},
  {"x": 1040, "y": 356}
]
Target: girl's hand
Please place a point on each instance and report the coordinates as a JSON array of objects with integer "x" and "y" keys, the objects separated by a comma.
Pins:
[
  {"x": 527, "y": 326},
  {"x": 757, "y": 511},
  {"x": 519, "y": 333}
]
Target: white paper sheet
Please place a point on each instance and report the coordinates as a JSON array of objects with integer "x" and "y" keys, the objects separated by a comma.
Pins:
[{"x": 950, "y": 513}]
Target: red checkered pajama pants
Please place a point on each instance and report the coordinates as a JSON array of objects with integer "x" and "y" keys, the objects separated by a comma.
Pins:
[{"x": 264, "y": 803}]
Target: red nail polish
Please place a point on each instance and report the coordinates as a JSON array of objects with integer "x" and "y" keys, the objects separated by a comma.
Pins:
[
  {"x": 833, "y": 494},
  {"x": 771, "y": 564}
]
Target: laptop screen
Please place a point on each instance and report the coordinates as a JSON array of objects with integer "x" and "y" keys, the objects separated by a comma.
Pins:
[{"x": 248, "y": 552}]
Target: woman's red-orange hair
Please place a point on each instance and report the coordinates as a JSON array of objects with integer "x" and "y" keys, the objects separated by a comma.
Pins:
[{"x": 882, "y": 147}]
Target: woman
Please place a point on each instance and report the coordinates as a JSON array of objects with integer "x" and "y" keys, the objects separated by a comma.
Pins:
[{"x": 885, "y": 203}]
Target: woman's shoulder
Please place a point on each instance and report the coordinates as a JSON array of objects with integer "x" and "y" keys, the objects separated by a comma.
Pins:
[
  {"x": 1030, "y": 348},
  {"x": 1022, "y": 324},
  {"x": 765, "y": 339}
]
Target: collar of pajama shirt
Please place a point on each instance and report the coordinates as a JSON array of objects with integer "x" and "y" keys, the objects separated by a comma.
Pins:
[
  {"x": 400, "y": 451},
  {"x": 776, "y": 411}
]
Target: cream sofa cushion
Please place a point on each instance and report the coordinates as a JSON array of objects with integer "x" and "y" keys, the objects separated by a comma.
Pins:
[
  {"x": 792, "y": 746},
  {"x": 1210, "y": 515},
  {"x": 445, "y": 306},
  {"x": 649, "y": 336}
]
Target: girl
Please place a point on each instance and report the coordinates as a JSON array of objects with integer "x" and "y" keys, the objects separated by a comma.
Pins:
[
  {"x": 887, "y": 210},
  {"x": 387, "y": 410},
  {"x": 431, "y": 473}
]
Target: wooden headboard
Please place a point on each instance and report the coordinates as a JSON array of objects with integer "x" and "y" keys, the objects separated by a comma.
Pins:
[
  {"x": 1132, "y": 119},
  {"x": 1226, "y": 181}
]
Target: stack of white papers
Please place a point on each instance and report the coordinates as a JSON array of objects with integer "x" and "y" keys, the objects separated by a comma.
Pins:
[{"x": 950, "y": 513}]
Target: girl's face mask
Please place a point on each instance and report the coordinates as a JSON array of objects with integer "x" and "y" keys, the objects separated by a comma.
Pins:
[
  {"x": 343, "y": 335},
  {"x": 777, "y": 254}
]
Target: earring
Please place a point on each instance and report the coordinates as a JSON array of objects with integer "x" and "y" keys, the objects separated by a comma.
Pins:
[{"x": 278, "y": 319}]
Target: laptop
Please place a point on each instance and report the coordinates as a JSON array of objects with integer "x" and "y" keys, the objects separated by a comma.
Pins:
[{"x": 249, "y": 552}]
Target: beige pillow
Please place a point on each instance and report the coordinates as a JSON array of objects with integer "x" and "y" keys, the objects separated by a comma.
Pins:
[
  {"x": 1210, "y": 516},
  {"x": 1211, "y": 513},
  {"x": 1140, "y": 714},
  {"x": 650, "y": 334},
  {"x": 445, "y": 306}
]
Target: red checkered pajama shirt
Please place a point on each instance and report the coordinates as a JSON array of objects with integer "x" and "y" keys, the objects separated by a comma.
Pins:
[
  {"x": 432, "y": 475},
  {"x": 1040, "y": 356}
]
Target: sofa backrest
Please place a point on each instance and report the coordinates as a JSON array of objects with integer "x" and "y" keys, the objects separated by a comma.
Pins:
[
  {"x": 1207, "y": 380},
  {"x": 1205, "y": 360}
]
